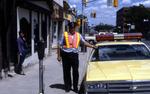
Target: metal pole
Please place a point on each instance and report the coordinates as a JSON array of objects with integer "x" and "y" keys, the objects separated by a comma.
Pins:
[
  {"x": 92, "y": 1},
  {"x": 41, "y": 84},
  {"x": 82, "y": 18},
  {"x": 83, "y": 47},
  {"x": 40, "y": 50}
]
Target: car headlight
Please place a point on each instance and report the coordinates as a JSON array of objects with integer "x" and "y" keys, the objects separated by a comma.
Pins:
[{"x": 97, "y": 86}]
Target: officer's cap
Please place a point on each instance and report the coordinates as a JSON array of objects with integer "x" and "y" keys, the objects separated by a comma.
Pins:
[{"x": 72, "y": 24}]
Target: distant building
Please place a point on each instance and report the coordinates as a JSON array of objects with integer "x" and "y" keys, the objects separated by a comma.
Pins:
[
  {"x": 127, "y": 25},
  {"x": 121, "y": 21}
]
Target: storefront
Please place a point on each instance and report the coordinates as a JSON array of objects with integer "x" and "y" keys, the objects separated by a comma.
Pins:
[
  {"x": 31, "y": 17},
  {"x": 57, "y": 23}
]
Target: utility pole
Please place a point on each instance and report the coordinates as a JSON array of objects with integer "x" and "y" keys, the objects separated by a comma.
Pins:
[
  {"x": 83, "y": 49},
  {"x": 84, "y": 3},
  {"x": 82, "y": 17}
]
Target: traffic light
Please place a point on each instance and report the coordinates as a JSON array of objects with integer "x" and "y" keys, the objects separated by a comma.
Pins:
[
  {"x": 115, "y": 3},
  {"x": 85, "y": 2},
  {"x": 94, "y": 15}
]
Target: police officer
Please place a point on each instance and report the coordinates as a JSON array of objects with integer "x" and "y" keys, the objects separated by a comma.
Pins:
[{"x": 68, "y": 52}]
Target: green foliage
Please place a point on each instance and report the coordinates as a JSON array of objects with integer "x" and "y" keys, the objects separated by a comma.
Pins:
[{"x": 102, "y": 26}]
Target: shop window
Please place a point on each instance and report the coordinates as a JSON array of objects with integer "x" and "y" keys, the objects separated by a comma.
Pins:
[
  {"x": 36, "y": 34},
  {"x": 44, "y": 32},
  {"x": 25, "y": 26}
]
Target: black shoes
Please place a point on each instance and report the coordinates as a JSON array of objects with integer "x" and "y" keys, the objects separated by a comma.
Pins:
[
  {"x": 20, "y": 73},
  {"x": 9, "y": 75},
  {"x": 75, "y": 90},
  {"x": 67, "y": 89}
]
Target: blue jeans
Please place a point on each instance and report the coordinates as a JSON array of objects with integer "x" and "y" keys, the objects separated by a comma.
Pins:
[{"x": 19, "y": 65}]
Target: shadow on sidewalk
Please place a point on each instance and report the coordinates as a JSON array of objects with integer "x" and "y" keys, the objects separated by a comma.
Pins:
[{"x": 58, "y": 86}]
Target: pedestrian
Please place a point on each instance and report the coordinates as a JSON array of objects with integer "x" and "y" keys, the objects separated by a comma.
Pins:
[
  {"x": 68, "y": 52},
  {"x": 22, "y": 48}
]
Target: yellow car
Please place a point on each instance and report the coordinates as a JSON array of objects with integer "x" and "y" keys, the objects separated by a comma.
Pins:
[{"x": 118, "y": 67}]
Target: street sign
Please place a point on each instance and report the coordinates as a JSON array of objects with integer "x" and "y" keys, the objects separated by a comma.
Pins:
[
  {"x": 85, "y": 2},
  {"x": 132, "y": 26}
]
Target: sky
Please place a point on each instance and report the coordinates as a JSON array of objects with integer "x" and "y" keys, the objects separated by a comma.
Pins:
[{"x": 104, "y": 14}]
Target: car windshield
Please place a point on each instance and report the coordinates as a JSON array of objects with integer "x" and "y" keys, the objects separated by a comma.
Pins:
[{"x": 121, "y": 52}]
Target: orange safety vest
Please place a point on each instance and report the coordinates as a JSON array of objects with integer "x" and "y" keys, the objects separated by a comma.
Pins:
[{"x": 72, "y": 41}]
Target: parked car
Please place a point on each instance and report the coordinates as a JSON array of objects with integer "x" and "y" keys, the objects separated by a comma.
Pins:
[{"x": 118, "y": 67}]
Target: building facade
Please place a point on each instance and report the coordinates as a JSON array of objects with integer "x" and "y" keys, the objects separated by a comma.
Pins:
[
  {"x": 57, "y": 22},
  {"x": 8, "y": 51},
  {"x": 122, "y": 21},
  {"x": 33, "y": 17},
  {"x": 134, "y": 19}
]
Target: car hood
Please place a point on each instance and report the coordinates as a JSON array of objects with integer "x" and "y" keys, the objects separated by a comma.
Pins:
[{"x": 118, "y": 70}]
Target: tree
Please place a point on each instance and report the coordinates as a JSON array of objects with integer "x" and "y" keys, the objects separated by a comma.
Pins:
[{"x": 102, "y": 26}]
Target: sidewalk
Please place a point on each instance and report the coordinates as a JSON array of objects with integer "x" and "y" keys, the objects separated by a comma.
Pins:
[{"x": 53, "y": 78}]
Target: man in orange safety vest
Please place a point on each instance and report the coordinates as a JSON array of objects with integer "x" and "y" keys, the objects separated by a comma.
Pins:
[{"x": 68, "y": 53}]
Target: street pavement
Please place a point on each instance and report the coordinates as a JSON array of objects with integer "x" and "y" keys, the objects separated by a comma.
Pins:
[{"x": 53, "y": 78}]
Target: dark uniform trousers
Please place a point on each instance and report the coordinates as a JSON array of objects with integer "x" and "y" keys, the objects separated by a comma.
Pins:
[{"x": 70, "y": 60}]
